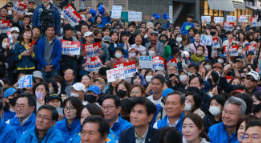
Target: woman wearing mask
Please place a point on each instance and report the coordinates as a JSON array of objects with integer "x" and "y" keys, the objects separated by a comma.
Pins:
[
  {"x": 193, "y": 129},
  {"x": 167, "y": 49},
  {"x": 104, "y": 53},
  {"x": 53, "y": 87},
  {"x": 196, "y": 43},
  {"x": 41, "y": 90},
  {"x": 86, "y": 81},
  {"x": 178, "y": 43},
  {"x": 118, "y": 54},
  {"x": 25, "y": 53},
  {"x": 199, "y": 55},
  {"x": 138, "y": 79},
  {"x": 186, "y": 43},
  {"x": 148, "y": 75},
  {"x": 138, "y": 41},
  {"x": 123, "y": 89},
  {"x": 133, "y": 56},
  {"x": 152, "y": 51},
  {"x": 137, "y": 91},
  {"x": 70, "y": 125},
  {"x": 193, "y": 104},
  {"x": 6, "y": 59},
  {"x": 257, "y": 104},
  {"x": 216, "y": 107},
  {"x": 114, "y": 43},
  {"x": 15, "y": 35}
]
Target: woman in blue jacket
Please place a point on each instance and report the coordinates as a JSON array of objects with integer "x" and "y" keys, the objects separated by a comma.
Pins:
[
  {"x": 25, "y": 53},
  {"x": 70, "y": 125}
]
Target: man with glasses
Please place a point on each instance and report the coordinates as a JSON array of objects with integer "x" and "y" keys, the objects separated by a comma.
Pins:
[
  {"x": 253, "y": 132},
  {"x": 111, "y": 107},
  {"x": 25, "y": 118},
  {"x": 250, "y": 83},
  {"x": 6, "y": 131},
  {"x": 225, "y": 132},
  {"x": 155, "y": 42},
  {"x": 44, "y": 129}
]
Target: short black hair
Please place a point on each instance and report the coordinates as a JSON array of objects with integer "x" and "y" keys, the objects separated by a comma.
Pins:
[
  {"x": 150, "y": 107},
  {"x": 253, "y": 124},
  {"x": 116, "y": 99},
  {"x": 54, "y": 84},
  {"x": 159, "y": 77},
  {"x": 30, "y": 98},
  {"x": 49, "y": 26},
  {"x": 220, "y": 98},
  {"x": 132, "y": 24},
  {"x": 199, "y": 78},
  {"x": 76, "y": 103},
  {"x": 193, "y": 65},
  {"x": 126, "y": 105},
  {"x": 190, "y": 16},
  {"x": 197, "y": 100},
  {"x": 213, "y": 27},
  {"x": 181, "y": 96},
  {"x": 104, "y": 127},
  {"x": 248, "y": 100},
  {"x": 37, "y": 27},
  {"x": 55, "y": 114},
  {"x": 168, "y": 135}
]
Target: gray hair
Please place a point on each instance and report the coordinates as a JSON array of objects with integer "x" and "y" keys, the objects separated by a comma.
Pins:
[
  {"x": 237, "y": 101},
  {"x": 181, "y": 96}
]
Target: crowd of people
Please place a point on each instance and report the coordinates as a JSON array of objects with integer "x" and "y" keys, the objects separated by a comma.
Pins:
[{"x": 203, "y": 94}]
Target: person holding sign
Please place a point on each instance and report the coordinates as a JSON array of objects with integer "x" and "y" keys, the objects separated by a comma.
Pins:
[
  {"x": 155, "y": 42},
  {"x": 199, "y": 55},
  {"x": 118, "y": 54},
  {"x": 3, "y": 14},
  {"x": 104, "y": 13},
  {"x": 25, "y": 53}
]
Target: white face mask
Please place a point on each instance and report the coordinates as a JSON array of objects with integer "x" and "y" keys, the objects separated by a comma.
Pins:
[
  {"x": 4, "y": 44},
  {"x": 45, "y": 4},
  {"x": 214, "y": 110},
  {"x": 118, "y": 55},
  {"x": 50, "y": 90},
  {"x": 240, "y": 51},
  {"x": 208, "y": 67},
  {"x": 190, "y": 74},
  {"x": 15, "y": 36},
  {"x": 148, "y": 78},
  {"x": 188, "y": 107},
  {"x": 199, "y": 52},
  {"x": 74, "y": 95},
  {"x": 221, "y": 61},
  {"x": 178, "y": 39},
  {"x": 151, "y": 53},
  {"x": 9, "y": 12},
  {"x": 182, "y": 78}
]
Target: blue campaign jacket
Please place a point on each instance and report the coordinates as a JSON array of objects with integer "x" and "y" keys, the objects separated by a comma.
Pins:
[
  {"x": 128, "y": 135},
  {"x": 52, "y": 136},
  {"x": 7, "y": 133},
  {"x": 119, "y": 126},
  {"x": 164, "y": 122},
  {"x": 15, "y": 123},
  {"x": 185, "y": 27},
  {"x": 110, "y": 139},
  {"x": 8, "y": 115},
  {"x": 56, "y": 17},
  {"x": 218, "y": 134},
  {"x": 67, "y": 133},
  {"x": 56, "y": 54}
]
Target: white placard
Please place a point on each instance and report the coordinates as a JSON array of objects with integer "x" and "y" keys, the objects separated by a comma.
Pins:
[
  {"x": 134, "y": 16},
  {"x": 116, "y": 11}
]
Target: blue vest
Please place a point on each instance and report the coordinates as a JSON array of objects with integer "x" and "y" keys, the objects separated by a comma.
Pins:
[
  {"x": 120, "y": 126},
  {"x": 7, "y": 133},
  {"x": 164, "y": 122}
]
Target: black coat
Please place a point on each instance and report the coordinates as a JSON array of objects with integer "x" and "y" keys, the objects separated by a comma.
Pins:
[
  {"x": 8, "y": 62},
  {"x": 209, "y": 120}
]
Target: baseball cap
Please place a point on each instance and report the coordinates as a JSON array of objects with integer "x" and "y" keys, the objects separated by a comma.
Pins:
[
  {"x": 100, "y": 80},
  {"x": 52, "y": 97},
  {"x": 88, "y": 34},
  {"x": 131, "y": 48},
  {"x": 95, "y": 89},
  {"x": 15, "y": 29},
  {"x": 254, "y": 74},
  {"x": 154, "y": 32},
  {"x": 106, "y": 39},
  {"x": 10, "y": 91},
  {"x": 37, "y": 74},
  {"x": 166, "y": 92},
  {"x": 79, "y": 87}
]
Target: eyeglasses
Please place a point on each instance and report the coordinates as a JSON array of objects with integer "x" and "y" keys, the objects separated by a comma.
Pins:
[
  {"x": 228, "y": 113},
  {"x": 69, "y": 108},
  {"x": 107, "y": 107},
  {"x": 42, "y": 117},
  {"x": 250, "y": 78},
  {"x": 19, "y": 106}
]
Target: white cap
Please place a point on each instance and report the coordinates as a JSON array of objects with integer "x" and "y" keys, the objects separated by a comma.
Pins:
[
  {"x": 37, "y": 74},
  {"x": 15, "y": 29},
  {"x": 88, "y": 34},
  {"x": 254, "y": 74},
  {"x": 79, "y": 87}
]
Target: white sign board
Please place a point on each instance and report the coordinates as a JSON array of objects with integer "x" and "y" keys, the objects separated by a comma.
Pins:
[
  {"x": 134, "y": 16},
  {"x": 116, "y": 11}
]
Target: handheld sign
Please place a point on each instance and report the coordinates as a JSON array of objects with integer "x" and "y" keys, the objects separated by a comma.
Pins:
[
  {"x": 172, "y": 62},
  {"x": 93, "y": 64},
  {"x": 206, "y": 39},
  {"x": 92, "y": 49},
  {"x": 145, "y": 62},
  {"x": 70, "y": 47},
  {"x": 218, "y": 19},
  {"x": 254, "y": 21},
  {"x": 114, "y": 74},
  {"x": 251, "y": 48},
  {"x": 229, "y": 25},
  {"x": 134, "y": 16},
  {"x": 71, "y": 15},
  {"x": 129, "y": 68},
  {"x": 158, "y": 63},
  {"x": 10, "y": 37},
  {"x": 205, "y": 18},
  {"x": 233, "y": 51},
  {"x": 25, "y": 81},
  {"x": 242, "y": 18},
  {"x": 4, "y": 25},
  {"x": 116, "y": 11},
  {"x": 20, "y": 8},
  {"x": 231, "y": 18}
]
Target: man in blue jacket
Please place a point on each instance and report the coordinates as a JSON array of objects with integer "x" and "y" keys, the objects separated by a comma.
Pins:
[
  {"x": 7, "y": 133},
  {"x": 111, "y": 107},
  {"x": 56, "y": 16},
  {"x": 174, "y": 107},
  {"x": 25, "y": 118},
  {"x": 187, "y": 25},
  {"x": 49, "y": 50},
  {"x": 44, "y": 130},
  {"x": 225, "y": 132}
]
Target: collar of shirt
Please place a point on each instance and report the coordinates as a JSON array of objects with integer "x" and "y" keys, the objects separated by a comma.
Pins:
[
  {"x": 46, "y": 40},
  {"x": 174, "y": 125},
  {"x": 144, "y": 136},
  {"x": 22, "y": 122}
]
